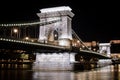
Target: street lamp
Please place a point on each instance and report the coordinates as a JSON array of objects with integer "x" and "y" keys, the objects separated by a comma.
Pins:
[
  {"x": 14, "y": 32},
  {"x": 26, "y": 38}
]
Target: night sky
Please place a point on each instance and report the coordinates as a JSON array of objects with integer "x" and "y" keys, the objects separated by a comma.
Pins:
[{"x": 99, "y": 23}]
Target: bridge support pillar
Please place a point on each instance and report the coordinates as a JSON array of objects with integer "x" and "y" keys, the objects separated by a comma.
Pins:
[{"x": 54, "y": 61}]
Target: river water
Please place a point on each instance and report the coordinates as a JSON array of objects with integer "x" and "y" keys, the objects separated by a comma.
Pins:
[{"x": 111, "y": 72}]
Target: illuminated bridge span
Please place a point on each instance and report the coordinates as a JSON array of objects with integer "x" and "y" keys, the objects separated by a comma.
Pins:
[{"x": 52, "y": 39}]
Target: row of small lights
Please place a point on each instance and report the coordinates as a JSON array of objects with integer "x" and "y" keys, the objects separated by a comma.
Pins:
[
  {"x": 20, "y": 24},
  {"x": 81, "y": 47},
  {"x": 15, "y": 40},
  {"x": 34, "y": 23},
  {"x": 26, "y": 42}
]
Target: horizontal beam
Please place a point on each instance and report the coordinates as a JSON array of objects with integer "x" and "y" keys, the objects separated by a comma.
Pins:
[{"x": 27, "y": 45}]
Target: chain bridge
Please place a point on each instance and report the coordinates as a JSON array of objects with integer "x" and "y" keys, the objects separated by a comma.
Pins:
[{"x": 51, "y": 39}]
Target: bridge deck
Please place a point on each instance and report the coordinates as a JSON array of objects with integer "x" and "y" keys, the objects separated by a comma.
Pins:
[
  {"x": 36, "y": 46},
  {"x": 26, "y": 45},
  {"x": 90, "y": 53}
]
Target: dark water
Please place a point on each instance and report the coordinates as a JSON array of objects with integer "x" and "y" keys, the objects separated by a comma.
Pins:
[{"x": 105, "y": 73}]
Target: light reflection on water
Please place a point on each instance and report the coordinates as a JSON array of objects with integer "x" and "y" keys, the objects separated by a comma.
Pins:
[{"x": 104, "y": 73}]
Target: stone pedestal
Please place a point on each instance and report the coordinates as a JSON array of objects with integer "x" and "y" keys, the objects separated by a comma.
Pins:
[{"x": 54, "y": 61}]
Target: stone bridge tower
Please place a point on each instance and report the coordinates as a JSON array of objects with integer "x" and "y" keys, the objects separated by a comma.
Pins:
[
  {"x": 59, "y": 33},
  {"x": 104, "y": 48}
]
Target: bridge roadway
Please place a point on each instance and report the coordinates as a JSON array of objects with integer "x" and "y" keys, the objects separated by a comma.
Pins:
[
  {"x": 41, "y": 47},
  {"x": 28, "y": 45}
]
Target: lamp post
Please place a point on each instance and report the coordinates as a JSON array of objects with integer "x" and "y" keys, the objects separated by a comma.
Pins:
[
  {"x": 26, "y": 38},
  {"x": 15, "y": 31}
]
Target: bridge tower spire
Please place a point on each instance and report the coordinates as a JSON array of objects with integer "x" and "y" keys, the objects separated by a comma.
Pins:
[{"x": 61, "y": 31}]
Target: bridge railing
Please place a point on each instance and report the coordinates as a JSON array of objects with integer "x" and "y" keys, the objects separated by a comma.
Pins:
[{"x": 35, "y": 43}]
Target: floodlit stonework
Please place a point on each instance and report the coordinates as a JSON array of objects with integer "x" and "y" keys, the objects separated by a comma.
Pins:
[
  {"x": 60, "y": 31},
  {"x": 54, "y": 61}
]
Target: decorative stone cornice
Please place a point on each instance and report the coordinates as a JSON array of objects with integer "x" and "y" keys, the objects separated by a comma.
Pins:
[{"x": 56, "y": 14}]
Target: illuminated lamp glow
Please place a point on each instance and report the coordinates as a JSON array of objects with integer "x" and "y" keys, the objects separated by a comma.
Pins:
[
  {"x": 65, "y": 42},
  {"x": 26, "y": 38},
  {"x": 54, "y": 9},
  {"x": 78, "y": 41},
  {"x": 15, "y": 30}
]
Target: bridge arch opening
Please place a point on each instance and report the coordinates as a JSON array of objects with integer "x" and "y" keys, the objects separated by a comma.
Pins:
[{"x": 55, "y": 35}]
